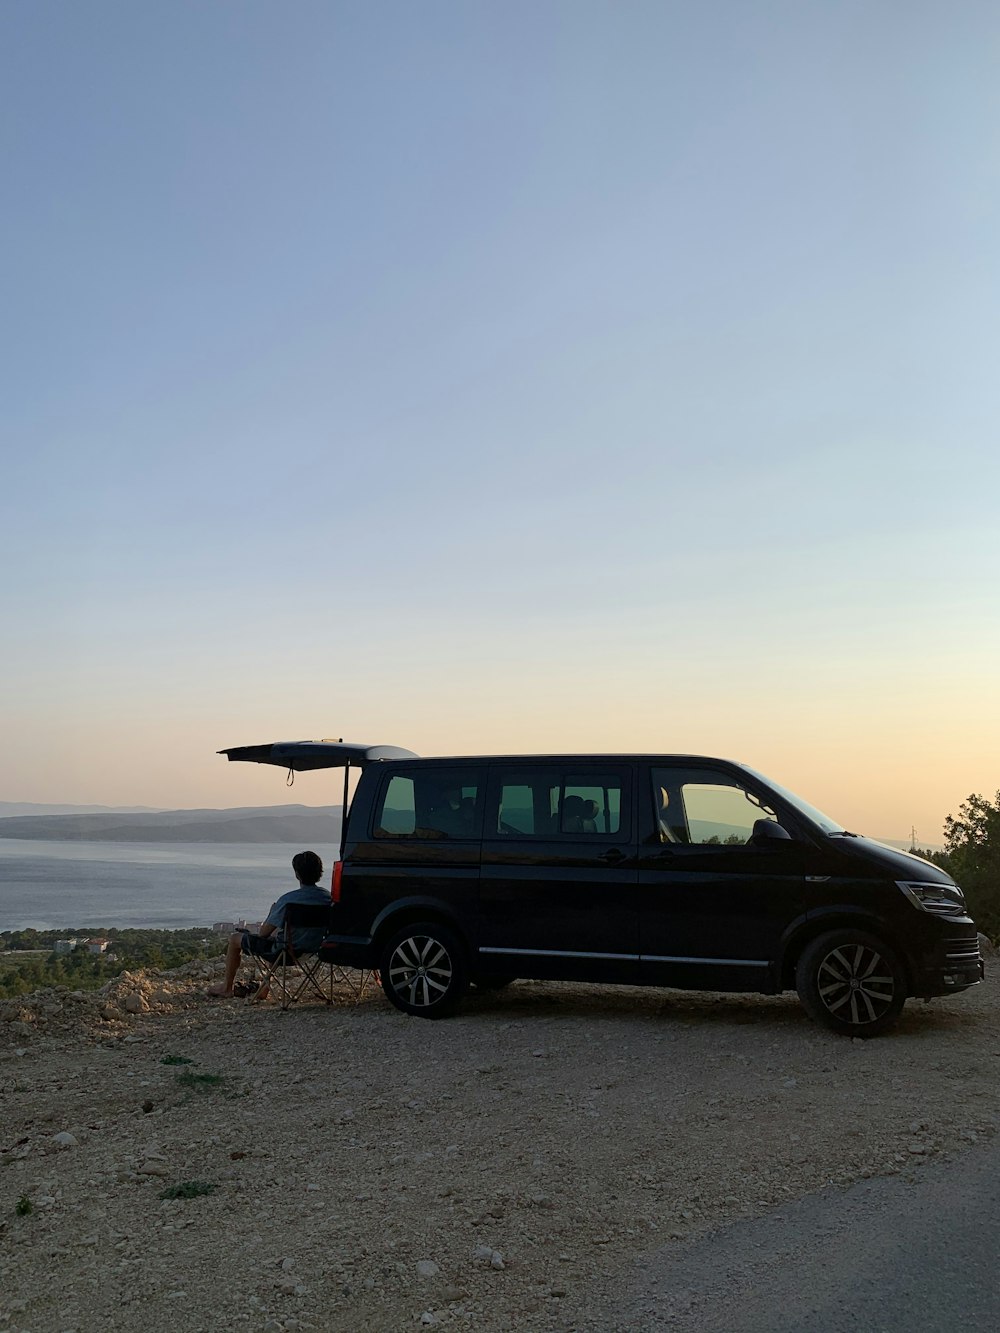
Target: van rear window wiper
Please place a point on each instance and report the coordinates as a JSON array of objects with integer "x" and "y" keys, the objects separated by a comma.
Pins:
[{"x": 843, "y": 833}]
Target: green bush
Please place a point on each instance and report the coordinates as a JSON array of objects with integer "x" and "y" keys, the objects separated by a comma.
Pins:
[{"x": 972, "y": 857}]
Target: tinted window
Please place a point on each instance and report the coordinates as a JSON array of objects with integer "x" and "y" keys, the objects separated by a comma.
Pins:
[
  {"x": 548, "y": 804},
  {"x": 702, "y": 808},
  {"x": 438, "y": 803}
]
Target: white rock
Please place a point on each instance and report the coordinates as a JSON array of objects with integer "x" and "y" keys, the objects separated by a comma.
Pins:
[
  {"x": 287, "y": 1265},
  {"x": 65, "y": 1139},
  {"x": 496, "y": 1260},
  {"x": 427, "y": 1268},
  {"x": 483, "y": 1252},
  {"x": 429, "y": 1318},
  {"x": 154, "y": 1169}
]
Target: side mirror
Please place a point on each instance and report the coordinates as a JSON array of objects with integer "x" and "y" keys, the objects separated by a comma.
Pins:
[{"x": 767, "y": 833}]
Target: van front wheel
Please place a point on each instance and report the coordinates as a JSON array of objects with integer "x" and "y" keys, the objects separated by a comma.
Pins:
[
  {"x": 851, "y": 982},
  {"x": 423, "y": 970}
]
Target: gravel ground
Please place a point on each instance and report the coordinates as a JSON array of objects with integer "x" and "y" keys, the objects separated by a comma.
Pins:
[{"x": 368, "y": 1171}]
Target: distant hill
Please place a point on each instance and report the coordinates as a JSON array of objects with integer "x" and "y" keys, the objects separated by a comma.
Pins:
[
  {"x": 300, "y": 824},
  {"x": 11, "y": 808}
]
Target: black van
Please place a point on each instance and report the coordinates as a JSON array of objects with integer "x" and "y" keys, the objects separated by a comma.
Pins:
[{"x": 657, "y": 870}]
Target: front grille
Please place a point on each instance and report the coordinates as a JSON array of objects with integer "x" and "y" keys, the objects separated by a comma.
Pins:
[{"x": 962, "y": 950}]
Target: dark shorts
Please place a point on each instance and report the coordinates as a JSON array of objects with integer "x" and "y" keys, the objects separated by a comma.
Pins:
[{"x": 261, "y": 946}]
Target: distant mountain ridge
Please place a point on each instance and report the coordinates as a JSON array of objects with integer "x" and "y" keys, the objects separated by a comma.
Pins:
[
  {"x": 300, "y": 824},
  {"x": 8, "y": 809}
]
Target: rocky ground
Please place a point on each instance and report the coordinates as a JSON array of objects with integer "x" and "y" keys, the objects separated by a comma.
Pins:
[{"x": 352, "y": 1168}]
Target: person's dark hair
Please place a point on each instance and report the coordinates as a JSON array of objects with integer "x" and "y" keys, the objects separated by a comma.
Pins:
[{"x": 307, "y": 866}]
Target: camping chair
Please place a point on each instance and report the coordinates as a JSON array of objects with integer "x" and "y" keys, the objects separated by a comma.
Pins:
[{"x": 293, "y": 972}]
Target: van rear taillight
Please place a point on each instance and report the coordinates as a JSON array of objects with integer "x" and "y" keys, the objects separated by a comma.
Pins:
[{"x": 338, "y": 872}]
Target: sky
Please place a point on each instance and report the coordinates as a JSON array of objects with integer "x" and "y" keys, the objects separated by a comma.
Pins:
[{"x": 495, "y": 376}]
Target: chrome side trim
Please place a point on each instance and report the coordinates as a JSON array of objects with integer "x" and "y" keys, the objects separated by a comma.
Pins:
[
  {"x": 715, "y": 962},
  {"x": 626, "y": 957},
  {"x": 561, "y": 953}
]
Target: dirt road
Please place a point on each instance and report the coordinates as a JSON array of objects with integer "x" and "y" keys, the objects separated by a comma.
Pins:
[{"x": 352, "y": 1168}]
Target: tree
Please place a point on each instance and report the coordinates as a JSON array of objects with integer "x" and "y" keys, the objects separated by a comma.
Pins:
[{"x": 972, "y": 839}]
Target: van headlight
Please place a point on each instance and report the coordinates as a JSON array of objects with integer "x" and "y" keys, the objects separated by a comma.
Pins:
[{"x": 944, "y": 899}]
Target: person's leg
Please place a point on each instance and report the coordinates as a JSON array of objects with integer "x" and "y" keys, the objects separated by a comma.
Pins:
[{"x": 234, "y": 956}]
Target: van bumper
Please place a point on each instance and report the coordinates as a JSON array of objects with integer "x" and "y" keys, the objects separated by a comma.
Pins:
[
  {"x": 955, "y": 964},
  {"x": 348, "y": 951}
]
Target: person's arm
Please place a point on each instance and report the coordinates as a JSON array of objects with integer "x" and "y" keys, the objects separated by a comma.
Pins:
[{"x": 274, "y": 920}]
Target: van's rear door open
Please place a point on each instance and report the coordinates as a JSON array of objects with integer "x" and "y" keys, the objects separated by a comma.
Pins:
[{"x": 302, "y": 756}]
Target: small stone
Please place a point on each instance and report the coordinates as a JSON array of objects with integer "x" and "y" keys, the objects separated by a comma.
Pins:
[
  {"x": 65, "y": 1139},
  {"x": 918, "y": 1149},
  {"x": 287, "y": 1265},
  {"x": 496, "y": 1260},
  {"x": 135, "y": 1003},
  {"x": 154, "y": 1169},
  {"x": 483, "y": 1252},
  {"x": 427, "y": 1268},
  {"x": 429, "y": 1318}
]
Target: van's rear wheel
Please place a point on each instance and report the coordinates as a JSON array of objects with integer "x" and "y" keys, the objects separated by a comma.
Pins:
[
  {"x": 851, "y": 982},
  {"x": 424, "y": 971}
]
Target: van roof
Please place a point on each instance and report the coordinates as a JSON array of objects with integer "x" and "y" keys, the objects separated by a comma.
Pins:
[{"x": 305, "y": 755}]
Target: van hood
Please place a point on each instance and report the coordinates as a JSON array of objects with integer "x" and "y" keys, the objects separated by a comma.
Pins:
[{"x": 901, "y": 865}]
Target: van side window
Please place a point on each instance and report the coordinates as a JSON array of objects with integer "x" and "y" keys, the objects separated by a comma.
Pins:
[
  {"x": 437, "y": 803},
  {"x": 697, "y": 807},
  {"x": 547, "y": 804}
]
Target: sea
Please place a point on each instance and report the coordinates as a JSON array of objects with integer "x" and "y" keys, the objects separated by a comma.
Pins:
[{"x": 172, "y": 886}]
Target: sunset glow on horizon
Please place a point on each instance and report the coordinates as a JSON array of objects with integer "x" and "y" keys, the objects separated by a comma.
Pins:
[{"x": 502, "y": 378}]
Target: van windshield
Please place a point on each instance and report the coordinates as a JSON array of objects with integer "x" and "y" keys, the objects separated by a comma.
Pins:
[{"x": 815, "y": 816}]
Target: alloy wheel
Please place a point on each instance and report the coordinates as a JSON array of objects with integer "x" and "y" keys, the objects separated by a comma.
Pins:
[
  {"x": 420, "y": 970},
  {"x": 856, "y": 984}
]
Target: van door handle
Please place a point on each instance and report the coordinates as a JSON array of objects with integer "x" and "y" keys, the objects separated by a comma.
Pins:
[{"x": 612, "y": 856}]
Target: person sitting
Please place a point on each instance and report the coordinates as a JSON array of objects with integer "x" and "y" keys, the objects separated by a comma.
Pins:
[
  {"x": 572, "y": 814},
  {"x": 270, "y": 940},
  {"x": 451, "y": 815},
  {"x": 591, "y": 810}
]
